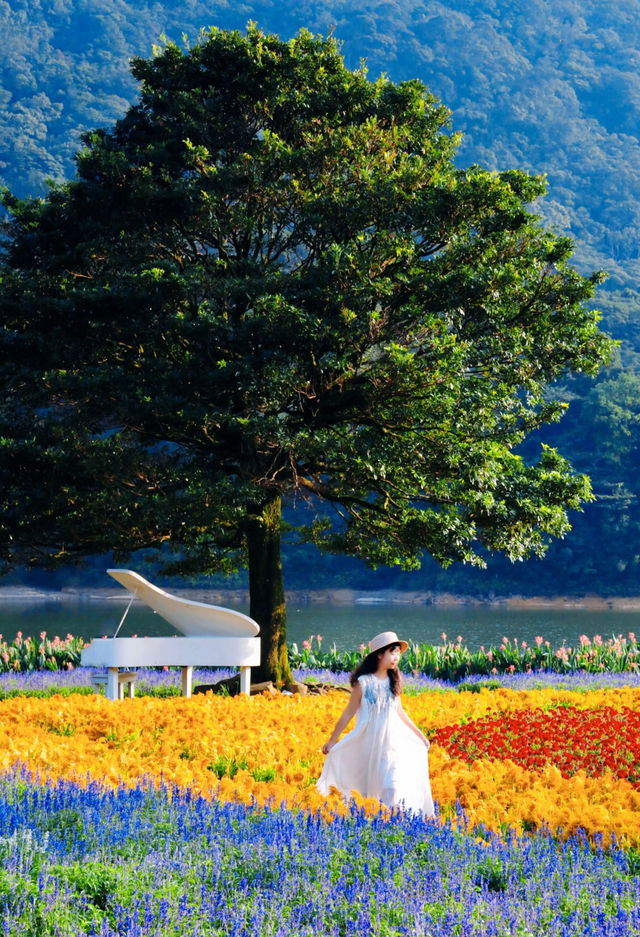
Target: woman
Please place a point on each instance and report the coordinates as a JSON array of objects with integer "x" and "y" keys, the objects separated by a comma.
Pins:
[{"x": 385, "y": 755}]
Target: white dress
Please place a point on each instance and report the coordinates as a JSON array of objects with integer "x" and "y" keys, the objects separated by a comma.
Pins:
[{"x": 381, "y": 757}]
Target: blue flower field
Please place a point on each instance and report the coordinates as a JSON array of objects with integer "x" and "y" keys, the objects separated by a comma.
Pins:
[{"x": 139, "y": 862}]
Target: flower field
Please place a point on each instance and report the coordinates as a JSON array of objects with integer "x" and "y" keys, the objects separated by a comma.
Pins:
[
  {"x": 140, "y": 861},
  {"x": 180, "y": 817},
  {"x": 523, "y": 759},
  {"x": 450, "y": 661},
  {"x": 574, "y": 740},
  {"x": 453, "y": 661}
]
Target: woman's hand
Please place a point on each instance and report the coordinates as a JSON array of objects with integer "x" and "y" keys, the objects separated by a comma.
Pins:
[{"x": 326, "y": 748}]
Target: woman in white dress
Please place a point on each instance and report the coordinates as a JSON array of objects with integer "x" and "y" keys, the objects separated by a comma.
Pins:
[{"x": 385, "y": 755}]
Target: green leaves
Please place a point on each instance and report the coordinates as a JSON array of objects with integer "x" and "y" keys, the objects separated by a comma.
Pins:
[{"x": 269, "y": 280}]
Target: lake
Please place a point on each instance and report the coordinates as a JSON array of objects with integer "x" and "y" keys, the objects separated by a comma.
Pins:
[{"x": 345, "y": 626}]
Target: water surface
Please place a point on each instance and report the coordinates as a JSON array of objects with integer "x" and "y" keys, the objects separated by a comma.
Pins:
[{"x": 344, "y": 626}]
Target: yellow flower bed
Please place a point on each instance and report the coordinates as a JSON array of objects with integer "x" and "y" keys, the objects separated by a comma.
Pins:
[{"x": 269, "y": 748}]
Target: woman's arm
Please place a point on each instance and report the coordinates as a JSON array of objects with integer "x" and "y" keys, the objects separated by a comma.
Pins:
[
  {"x": 349, "y": 712},
  {"x": 407, "y": 721}
]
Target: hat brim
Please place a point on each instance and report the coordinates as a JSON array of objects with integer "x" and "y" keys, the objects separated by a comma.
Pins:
[
  {"x": 403, "y": 646},
  {"x": 386, "y": 639}
]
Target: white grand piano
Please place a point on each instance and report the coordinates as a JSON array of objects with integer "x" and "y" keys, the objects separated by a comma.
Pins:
[{"x": 211, "y": 636}]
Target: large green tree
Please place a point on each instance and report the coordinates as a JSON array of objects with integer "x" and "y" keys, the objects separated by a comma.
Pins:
[{"x": 268, "y": 281}]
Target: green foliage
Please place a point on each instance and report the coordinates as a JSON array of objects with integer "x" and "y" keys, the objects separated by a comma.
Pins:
[
  {"x": 94, "y": 880},
  {"x": 477, "y": 687},
  {"x": 228, "y": 767},
  {"x": 448, "y": 661},
  {"x": 270, "y": 281},
  {"x": 314, "y": 658},
  {"x": 453, "y": 662},
  {"x": 491, "y": 875},
  {"x": 264, "y": 774},
  {"x": 158, "y": 692},
  {"x": 41, "y": 653},
  {"x": 46, "y": 692}
]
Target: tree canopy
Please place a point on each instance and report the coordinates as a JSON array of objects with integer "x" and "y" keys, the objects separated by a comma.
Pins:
[{"x": 268, "y": 282}]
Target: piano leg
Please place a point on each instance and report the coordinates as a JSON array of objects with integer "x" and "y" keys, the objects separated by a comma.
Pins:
[
  {"x": 245, "y": 680},
  {"x": 113, "y": 684},
  {"x": 187, "y": 680}
]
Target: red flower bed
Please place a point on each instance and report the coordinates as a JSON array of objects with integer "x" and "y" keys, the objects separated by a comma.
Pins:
[{"x": 592, "y": 740}]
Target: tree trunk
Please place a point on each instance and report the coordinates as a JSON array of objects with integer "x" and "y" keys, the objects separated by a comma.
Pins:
[{"x": 266, "y": 592}]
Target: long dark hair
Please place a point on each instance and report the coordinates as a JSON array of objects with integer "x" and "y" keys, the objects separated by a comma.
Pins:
[{"x": 370, "y": 665}]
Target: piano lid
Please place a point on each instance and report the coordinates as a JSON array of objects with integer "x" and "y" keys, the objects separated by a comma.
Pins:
[{"x": 194, "y": 619}]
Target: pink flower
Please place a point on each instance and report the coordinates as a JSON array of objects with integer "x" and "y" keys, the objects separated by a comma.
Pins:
[
  {"x": 494, "y": 670},
  {"x": 505, "y": 640},
  {"x": 444, "y": 635},
  {"x": 597, "y": 640},
  {"x": 524, "y": 645},
  {"x": 43, "y": 635},
  {"x": 19, "y": 637},
  {"x": 511, "y": 668},
  {"x": 363, "y": 648},
  {"x": 319, "y": 638},
  {"x": 459, "y": 639},
  {"x": 539, "y": 639},
  {"x": 69, "y": 665},
  {"x": 5, "y": 657},
  {"x": 307, "y": 645},
  {"x": 632, "y": 636},
  {"x": 490, "y": 655},
  {"x": 584, "y": 641}
]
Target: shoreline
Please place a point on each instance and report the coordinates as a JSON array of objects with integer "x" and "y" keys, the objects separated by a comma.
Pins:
[{"x": 338, "y": 597}]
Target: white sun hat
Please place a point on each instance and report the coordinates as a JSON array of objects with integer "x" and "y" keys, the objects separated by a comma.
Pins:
[{"x": 384, "y": 639}]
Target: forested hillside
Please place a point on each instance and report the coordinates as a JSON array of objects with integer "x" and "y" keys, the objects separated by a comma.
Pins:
[{"x": 552, "y": 86}]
